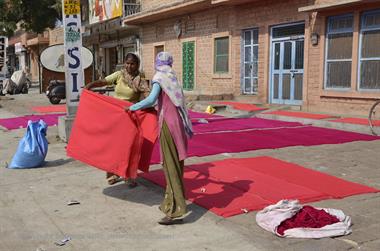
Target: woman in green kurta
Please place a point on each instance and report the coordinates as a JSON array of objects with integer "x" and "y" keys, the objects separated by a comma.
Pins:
[{"x": 130, "y": 85}]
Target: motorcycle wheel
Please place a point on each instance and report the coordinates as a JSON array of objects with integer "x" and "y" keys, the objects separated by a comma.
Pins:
[
  {"x": 54, "y": 100},
  {"x": 24, "y": 90}
]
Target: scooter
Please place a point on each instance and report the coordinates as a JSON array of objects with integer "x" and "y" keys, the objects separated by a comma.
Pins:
[
  {"x": 16, "y": 84},
  {"x": 56, "y": 91}
]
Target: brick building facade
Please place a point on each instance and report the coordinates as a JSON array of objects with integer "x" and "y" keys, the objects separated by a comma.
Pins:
[
  {"x": 321, "y": 55},
  {"x": 24, "y": 48}
]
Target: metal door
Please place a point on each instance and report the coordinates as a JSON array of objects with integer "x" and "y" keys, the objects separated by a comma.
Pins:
[
  {"x": 188, "y": 51},
  {"x": 287, "y": 72},
  {"x": 287, "y": 59}
]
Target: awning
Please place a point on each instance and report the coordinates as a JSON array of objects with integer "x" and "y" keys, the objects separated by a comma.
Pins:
[
  {"x": 108, "y": 27},
  {"x": 232, "y": 2},
  {"x": 167, "y": 11},
  {"x": 330, "y": 6},
  {"x": 37, "y": 40}
]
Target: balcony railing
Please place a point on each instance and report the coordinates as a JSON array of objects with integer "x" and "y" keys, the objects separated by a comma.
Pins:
[{"x": 131, "y": 8}]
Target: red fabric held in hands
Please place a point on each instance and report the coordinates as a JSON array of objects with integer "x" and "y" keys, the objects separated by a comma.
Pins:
[{"x": 105, "y": 136}]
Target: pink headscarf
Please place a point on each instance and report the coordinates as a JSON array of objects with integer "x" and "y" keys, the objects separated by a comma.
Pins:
[{"x": 168, "y": 81}]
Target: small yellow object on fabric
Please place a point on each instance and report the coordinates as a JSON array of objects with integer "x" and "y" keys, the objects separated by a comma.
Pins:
[{"x": 210, "y": 109}]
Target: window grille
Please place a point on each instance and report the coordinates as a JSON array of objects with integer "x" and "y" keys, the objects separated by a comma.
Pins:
[
  {"x": 369, "y": 51},
  {"x": 221, "y": 51},
  {"x": 339, "y": 52},
  {"x": 131, "y": 7},
  {"x": 250, "y": 60}
]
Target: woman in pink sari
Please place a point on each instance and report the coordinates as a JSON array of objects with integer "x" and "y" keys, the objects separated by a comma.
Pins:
[{"x": 175, "y": 128}]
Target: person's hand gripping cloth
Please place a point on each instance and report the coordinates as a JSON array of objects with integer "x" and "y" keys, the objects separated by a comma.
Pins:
[
  {"x": 106, "y": 136},
  {"x": 32, "y": 148}
]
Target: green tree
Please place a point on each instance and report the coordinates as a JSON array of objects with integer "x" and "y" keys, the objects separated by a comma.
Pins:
[
  {"x": 32, "y": 15},
  {"x": 8, "y": 18}
]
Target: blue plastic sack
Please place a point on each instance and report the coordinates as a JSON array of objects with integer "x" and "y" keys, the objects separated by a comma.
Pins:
[{"x": 33, "y": 147}]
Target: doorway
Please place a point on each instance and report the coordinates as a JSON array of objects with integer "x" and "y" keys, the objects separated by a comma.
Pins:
[{"x": 287, "y": 64}]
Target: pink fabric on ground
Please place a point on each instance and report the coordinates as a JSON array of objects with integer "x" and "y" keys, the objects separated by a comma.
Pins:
[
  {"x": 234, "y": 186},
  {"x": 200, "y": 115},
  {"x": 232, "y": 142},
  {"x": 300, "y": 114},
  {"x": 230, "y": 124},
  {"x": 22, "y": 122}
]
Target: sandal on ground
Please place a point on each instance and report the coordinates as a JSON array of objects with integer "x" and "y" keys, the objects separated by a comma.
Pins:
[
  {"x": 170, "y": 221},
  {"x": 113, "y": 179},
  {"x": 131, "y": 183}
]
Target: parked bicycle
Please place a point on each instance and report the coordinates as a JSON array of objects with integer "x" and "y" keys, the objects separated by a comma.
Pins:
[{"x": 374, "y": 118}]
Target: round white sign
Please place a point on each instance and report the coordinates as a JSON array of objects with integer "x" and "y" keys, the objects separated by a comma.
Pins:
[{"x": 53, "y": 58}]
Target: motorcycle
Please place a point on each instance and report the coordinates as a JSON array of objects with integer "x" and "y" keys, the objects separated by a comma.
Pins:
[{"x": 56, "y": 91}]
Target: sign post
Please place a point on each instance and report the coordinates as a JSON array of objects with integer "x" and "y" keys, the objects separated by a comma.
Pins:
[{"x": 73, "y": 64}]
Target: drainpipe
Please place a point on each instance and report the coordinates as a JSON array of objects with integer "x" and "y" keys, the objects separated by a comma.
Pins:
[
  {"x": 139, "y": 50},
  {"x": 94, "y": 64}
]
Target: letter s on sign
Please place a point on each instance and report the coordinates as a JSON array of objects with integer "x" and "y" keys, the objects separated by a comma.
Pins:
[{"x": 75, "y": 57}]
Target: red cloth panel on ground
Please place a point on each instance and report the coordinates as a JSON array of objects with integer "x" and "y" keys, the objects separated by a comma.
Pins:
[
  {"x": 50, "y": 108},
  {"x": 105, "y": 136},
  {"x": 241, "y": 106},
  {"x": 357, "y": 121},
  {"x": 234, "y": 186},
  {"x": 300, "y": 114}
]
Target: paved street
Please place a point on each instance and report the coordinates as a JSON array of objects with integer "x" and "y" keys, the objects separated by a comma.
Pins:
[{"x": 34, "y": 212}]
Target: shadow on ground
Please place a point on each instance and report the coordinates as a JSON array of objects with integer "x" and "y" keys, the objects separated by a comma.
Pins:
[
  {"x": 142, "y": 195},
  {"x": 57, "y": 162}
]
